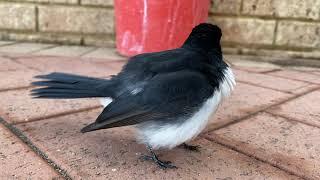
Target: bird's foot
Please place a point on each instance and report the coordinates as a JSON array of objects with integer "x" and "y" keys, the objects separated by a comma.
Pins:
[
  {"x": 161, "y": 164},
  {"x": 191, "y": 147}
]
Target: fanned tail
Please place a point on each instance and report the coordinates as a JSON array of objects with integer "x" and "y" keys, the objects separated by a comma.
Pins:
[{"x": 68, "y": 86}]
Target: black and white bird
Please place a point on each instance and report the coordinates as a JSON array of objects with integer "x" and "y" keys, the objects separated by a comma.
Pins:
[{"x": 168, "y": 96}]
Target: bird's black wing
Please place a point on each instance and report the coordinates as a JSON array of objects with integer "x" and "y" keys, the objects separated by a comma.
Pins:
[
  {"x": 165, "y": 97},
  {"x": 165, "y": 61}
]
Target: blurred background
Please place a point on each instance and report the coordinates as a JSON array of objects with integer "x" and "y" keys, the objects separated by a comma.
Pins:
[{"x": 286, "y": 28}]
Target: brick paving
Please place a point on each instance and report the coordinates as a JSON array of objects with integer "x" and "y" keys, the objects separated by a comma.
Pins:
[
  {"x": 268, "y": 129},
  {"x": 18, "y": 161}
]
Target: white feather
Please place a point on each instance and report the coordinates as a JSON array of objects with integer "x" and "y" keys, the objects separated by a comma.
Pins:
[
  {"x": 228, "y": 84},
  {"x": 170, "y": 136},
  {"x": 105, "y": 101},
  {"x": 136, "y": 91}
]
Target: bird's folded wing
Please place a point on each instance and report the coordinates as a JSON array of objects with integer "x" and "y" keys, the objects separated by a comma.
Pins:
[{"x": 165, "y": 96}]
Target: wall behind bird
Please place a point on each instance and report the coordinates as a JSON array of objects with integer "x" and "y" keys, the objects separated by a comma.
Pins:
[{"x": 289, "y": 28}]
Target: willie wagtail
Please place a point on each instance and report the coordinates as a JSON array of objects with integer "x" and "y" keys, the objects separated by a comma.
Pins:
[{"x": 168, "y": 96}]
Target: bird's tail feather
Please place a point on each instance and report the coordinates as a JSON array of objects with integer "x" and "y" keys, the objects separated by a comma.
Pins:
[{"x": 62, "y": 85}]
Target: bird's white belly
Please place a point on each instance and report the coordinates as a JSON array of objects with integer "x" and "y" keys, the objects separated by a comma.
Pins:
[{"x": 171, "y": 135}]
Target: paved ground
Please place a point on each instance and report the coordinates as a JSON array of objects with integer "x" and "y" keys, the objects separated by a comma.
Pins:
[{"x": 268, "y": 129}]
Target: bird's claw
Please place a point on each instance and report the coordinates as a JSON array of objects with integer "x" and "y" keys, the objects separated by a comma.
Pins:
[
  {"x": 146, "y": 157},
  {"x": 165, "y": 164},
  {"x": 161, "y": 164}
]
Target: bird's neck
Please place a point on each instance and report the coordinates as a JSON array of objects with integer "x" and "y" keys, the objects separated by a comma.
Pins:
[
  {"x": 202, "y": 45},
  {"x": 213, "y": 53}
]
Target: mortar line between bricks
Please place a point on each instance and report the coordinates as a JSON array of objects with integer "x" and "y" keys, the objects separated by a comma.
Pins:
[
  {"x": 27, "y": 66},
  {"x": 15, "y": 88},
  {"x": 106, "y": 61},
  {"x": 82, "y": 41},
  {"x": 27, "y": 53},
  {"x": 87, "y": 52},
  {"x": 263, "y": 17},
  {"x": 258, "y": 46},
  {"x": 250, "y": 71},
  {"x": 245, "y": 82},
  {"x": 282, "y": 77},
  {"x": 11, "y": 43},
  {"x": 264, "y": 109},
  {"x": 292, "y": 119},
  {"x": 275, "y": 165},
  {"x": 109, "y": 61},
  {"x": 270, "y": 71},
  {"x": 275, "y": 32},
  {"x": 292, "y": 78},
  {"x": 58, "y": 115},
  {"x": 14, "y": 59},
  {"x": 36, "y": 20},
  {"x": 314, "y": 73},
  {"x": 19, "y": 134},
  {"x": 108, "y": 7},
  {"x": 61, "y": 32},
  {"x": 241, "y": 7},
  {"x": 46, "y": 48},
  {"x": 310, "y": 72}
]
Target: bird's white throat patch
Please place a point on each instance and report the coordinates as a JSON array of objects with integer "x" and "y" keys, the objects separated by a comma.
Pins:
[{"x": 170, "y": 136}]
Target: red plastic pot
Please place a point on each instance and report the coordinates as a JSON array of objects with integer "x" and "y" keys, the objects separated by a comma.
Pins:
[{"x": 156, "y": 25}]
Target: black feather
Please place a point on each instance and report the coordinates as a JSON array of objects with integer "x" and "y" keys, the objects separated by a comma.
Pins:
[
  {"x": 162, "y": 87},
  {"x": 62, "y": 85}
]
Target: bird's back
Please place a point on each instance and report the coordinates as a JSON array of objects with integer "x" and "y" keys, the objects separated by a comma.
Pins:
[{"x": 144, "y": 67}]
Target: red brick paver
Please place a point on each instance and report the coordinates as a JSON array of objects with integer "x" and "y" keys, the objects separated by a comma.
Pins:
[
  {"x": 17, "y": 106},
  {"x": 305, "y": 109},
  {"x": 272, "y": 82},
  {"x": 8, "y": 65},
  {"x": 114, "y": 153},
  {"x": 297, "y": 75},
  {"x": 268, "y": 129},
  {"x": 316, "y": 73},
  {"x": 287, "y": 144},
  {"x": 305, "y": 89},
  {"x": 246, "y": 99},
  {"x": 257, "y": 69},
  {"x": 69, "y": 65},
  {"x": 70, "y": 51},
  {"x": 24, "y": 48},
  {"x": 17, "y": 161},
  {"x": 115, "y": 65},
  {"x": 16, "y": 79}
]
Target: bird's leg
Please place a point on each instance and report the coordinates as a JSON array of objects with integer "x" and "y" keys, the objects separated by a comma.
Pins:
[
  {"x": 154, "y": 157},
  {"x": 191, "y": 147}
]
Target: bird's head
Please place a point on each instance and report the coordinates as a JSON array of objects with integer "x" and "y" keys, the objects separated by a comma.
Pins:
[{"x": 205, "y": 37}]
